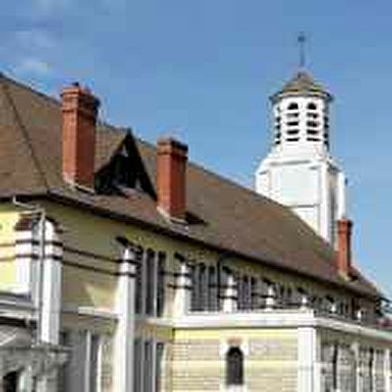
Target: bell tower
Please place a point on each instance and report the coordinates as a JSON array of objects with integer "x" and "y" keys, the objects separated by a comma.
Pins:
[{"x": 299, "y": 171}]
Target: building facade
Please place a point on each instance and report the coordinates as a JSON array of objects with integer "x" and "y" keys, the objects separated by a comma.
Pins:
[{"x": 124, "y": 267}]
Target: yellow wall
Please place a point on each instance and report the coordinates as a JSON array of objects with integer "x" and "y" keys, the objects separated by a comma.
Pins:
[
  {"x": 86, "y": 232},
  {"x": 8, "y": 217},
  {"x": 198, "y": 359}
]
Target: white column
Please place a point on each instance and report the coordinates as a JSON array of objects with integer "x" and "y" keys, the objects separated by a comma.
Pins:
[
  {"x": 309, "y": 372},
  {"x": 25, "y": 382},
  {"x": 387, "y": 370},
  {"x": 230, "y": 296},
  {"x": 270, "y": 299},
  {"x": 50, "y": 296},
  {"x": 355, "y": 350},
  {"x": 51, "y": 286},
  {"x": 125, "y": 332},
  {"x": 182, "y": 299}
]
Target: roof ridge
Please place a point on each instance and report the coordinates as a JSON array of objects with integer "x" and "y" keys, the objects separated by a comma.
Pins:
[
  {"x": 19, "y": 124},
  {"x": 30, "y": 88}
]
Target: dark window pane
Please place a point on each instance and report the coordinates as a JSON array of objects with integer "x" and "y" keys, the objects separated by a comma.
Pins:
[
  {"x": 161, "y": 283},
  {"x": 234, "y": 367},
  {"x": 150, "y": 282}
]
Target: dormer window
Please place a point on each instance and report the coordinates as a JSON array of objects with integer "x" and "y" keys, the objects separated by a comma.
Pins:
[{"x": 124, "y": 172}]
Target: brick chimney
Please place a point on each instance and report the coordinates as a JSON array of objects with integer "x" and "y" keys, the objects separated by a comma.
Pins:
[
  {"x": 80, "y": 109},
  {"x": 344, "y": 246},
  {"x": 171, "y": 178}
]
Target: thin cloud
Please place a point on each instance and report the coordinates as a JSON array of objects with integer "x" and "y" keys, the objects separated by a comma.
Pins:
[
  {"x": 35, "y": 38},
  {"x": 33, "y": 66},
  {"x": 46, "y": 7}
]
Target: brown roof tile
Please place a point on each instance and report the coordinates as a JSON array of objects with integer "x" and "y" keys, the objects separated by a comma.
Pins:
[
  {"x": 302, "y": 82},
  {"x": 230, "y": 217}
]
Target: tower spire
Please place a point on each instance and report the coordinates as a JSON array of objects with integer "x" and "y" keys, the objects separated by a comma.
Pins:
[{"x": 302, "y": 53}]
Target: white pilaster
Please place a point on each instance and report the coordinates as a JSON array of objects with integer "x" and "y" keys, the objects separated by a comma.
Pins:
[
  {"x": 230, "y": 296},
  {"x": 49, "y": 295},
  {"x": 125, "y": 332},
  {"x": 387, "y": 370},
  {"x": 270, "y": 299},
  {"x": 308, "y": 362},
  {"x": 25, "y": 382},
  {"x": 182, "y": 300},
  {"x": 51, "y": 286}
]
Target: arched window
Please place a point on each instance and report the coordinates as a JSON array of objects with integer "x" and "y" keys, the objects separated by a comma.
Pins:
[
  {"x": 292, "y": 106},
  {"x": 234, "y": 367},
  {"x": 10, "y": 382},
  {"x": 312, "y": 106}
]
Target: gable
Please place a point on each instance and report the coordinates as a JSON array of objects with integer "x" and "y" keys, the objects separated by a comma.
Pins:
[{"x": 124, "y": 171}]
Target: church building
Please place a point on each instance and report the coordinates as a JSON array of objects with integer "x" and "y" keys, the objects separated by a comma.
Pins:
[{"x": 126, "y": 267}]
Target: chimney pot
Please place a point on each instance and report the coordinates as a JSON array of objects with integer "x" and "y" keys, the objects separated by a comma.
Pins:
[
  {"x": 344, "y": 230},
  {"x": 79, "y": 117},
  {"x": 171, "y": 177}
]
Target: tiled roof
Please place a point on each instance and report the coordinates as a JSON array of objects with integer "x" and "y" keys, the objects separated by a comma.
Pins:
[
  {"x": 230, "y": 218},
  {"x": 302, "y": 83}
]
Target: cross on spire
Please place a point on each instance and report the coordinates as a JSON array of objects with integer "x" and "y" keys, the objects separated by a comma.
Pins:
[{"x": 302, "y": 54}]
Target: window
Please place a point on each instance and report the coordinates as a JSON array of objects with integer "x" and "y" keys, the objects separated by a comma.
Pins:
[
  {"x": 254, "y": 293},
  {"x": 147, "y": 365},
  {"x": 293, "y": 131},
  {"x": 312, "y": 132},
  {"x": 199, "y": 288},
  {"x": 139, "y": 280},
  {"x": 335, "y": 359},
  {"x": 83, "y": 370},
  {"x": 150, "y": 282},
  {"x": 292, "y": 106},
  {"x": 244, "y": 293},
  {"x": 312, "y": 106},
  {"x": 204, "y": 295},
  {"x": 10, "y": 382},
  {"x": 137, "y": 364},
  {"x": 312, "y": 115},
  {"x": 234, "y": 367},
  {"x": 312, "y": 124},
  {"x": 212, "y": 301},
  {"x": 161, "y": 283},
  {"x": 292, "y": 123}
]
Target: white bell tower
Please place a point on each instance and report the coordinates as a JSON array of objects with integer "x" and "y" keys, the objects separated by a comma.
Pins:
[{"x": 299, "y": 171}]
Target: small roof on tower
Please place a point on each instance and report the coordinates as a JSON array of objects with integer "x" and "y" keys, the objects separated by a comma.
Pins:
[{"x": 302, "y": 84}]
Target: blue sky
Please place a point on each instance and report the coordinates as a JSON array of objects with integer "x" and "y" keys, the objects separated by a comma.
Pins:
[{"x": 203, "y": 70}]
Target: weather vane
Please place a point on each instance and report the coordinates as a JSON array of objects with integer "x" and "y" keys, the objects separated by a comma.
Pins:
[{"x": 302, "y": 55}]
